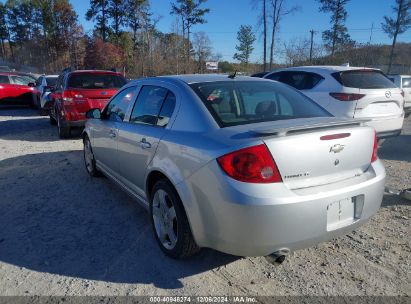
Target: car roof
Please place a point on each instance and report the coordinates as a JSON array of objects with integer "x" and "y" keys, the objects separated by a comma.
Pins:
[
  {"x": 331, "y": 68},
  {"x": 199, "y": 78},
  {"x": 95, "y": 71}
]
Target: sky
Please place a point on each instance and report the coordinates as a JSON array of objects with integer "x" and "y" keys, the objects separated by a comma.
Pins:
[{"x": 226, "y": 17}]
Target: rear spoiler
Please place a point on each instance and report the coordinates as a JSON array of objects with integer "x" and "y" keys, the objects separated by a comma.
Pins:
[{"x": 306, "y": 125}]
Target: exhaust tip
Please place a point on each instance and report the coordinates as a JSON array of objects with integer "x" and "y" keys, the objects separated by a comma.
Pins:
[{"x": 278, "y": 257}]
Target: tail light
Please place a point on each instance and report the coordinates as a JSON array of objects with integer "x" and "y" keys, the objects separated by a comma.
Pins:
[
  {"x": 251, "y": 165},
  {"x": 70, "y": 96},
  {"x": 374, "y": 156},
  {"x": 347, "y": 96}
]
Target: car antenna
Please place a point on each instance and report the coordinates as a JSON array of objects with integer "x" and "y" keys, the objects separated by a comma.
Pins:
[{"x": 232, "y": 76}]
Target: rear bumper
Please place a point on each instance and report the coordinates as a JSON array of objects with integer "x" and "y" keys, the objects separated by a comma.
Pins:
[
  {"x": 73, "y": 123},
  {"x": 259, "y": 219},
  {"x": 386, "y": 126},
  {"x": 388, "y": 134}
]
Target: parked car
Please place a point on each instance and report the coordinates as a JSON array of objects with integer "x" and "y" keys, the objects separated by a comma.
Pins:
[
  {"x": 16, "y": 90},
  {"x": 350, "y": 92},
  {"x": 260, "y": 74},
  {"x": 78, "y": 91},
  {"x": 257, "y": 169},
  {"x": 404, "y": 83},
  {"x": 44, "y": 85}
]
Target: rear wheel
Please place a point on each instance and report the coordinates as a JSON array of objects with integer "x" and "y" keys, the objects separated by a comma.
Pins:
[
  {"x": 64, "y": 132},
  {"x": 170, "y": 224},
  {"x": 89, "y": 160}
]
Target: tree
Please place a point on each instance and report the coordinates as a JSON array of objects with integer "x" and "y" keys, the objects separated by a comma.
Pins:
[
  {"x": 116, "y": 9},
  {"x": 277, "y": 12},
  {"x": 336, "y": 38},
  {"x": 190, "y": 14},
  {"x": 394, "y": 27},
  {"x": 98, "y": 11},
  {"x": 103, "y": 55},
  {"x": 246, "y": 38},
  {"x": 202, "y": 50}
]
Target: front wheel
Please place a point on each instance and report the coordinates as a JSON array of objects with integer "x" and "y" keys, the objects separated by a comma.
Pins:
[{"x": 170, "y": 224}]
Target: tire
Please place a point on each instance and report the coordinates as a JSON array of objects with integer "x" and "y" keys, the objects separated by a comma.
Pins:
[
  {"x": 42, "y": 112},
  {"x": 64, "y": 132},
  {"x": 53, "y": 122},
  {"x": 167, "y": 213},
  {"x": 89, "y": 160}
]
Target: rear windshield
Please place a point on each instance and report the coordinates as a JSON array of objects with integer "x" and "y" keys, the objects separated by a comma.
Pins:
[
  {"x": 245, "y": 102},
  {"x": 51, "y": 81},
  {"x": 96, "y": 81},
  {"x": 406, "y": 83},
  {"x": 364, "y": 79}
]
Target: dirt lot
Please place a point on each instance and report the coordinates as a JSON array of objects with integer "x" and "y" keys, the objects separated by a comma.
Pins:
[{"x": 63, "y": 233}]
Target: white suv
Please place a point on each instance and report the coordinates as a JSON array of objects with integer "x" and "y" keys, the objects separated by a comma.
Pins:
[
  {"x": 404, "y": 83},
  {"x": 350, "y": 92}
]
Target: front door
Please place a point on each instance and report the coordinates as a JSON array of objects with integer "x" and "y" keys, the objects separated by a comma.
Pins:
[{"x": 105, "y": 130}]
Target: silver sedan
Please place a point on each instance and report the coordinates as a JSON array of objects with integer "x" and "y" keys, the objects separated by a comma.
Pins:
[{"x": 246, "y": 166}]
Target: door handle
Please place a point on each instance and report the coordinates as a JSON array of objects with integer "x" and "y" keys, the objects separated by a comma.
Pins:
[
  {"x": 112, "y": 133},
  {"x": 144, "y": 144}
]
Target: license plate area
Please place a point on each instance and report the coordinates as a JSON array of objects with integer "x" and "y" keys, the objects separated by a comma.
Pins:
[{"x": 344, "y": 212}]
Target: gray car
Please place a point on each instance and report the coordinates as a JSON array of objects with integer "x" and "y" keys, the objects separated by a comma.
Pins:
[{"x": 246, "y": 166}]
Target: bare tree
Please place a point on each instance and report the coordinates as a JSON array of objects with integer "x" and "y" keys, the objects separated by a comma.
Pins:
[
  {"x": 191, "y": 14},
  {"x": 276, "y": 13},
  {"x": 395, "y": 27},
  {"x": 202, "y": 50}
]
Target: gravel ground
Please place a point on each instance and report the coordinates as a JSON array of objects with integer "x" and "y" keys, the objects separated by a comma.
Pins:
[{"x": 63, "y": 233}]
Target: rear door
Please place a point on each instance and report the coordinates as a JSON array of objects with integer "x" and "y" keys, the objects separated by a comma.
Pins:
[
  {"x": 105, "y": 130},
  {"x": 138, "y": 139}
]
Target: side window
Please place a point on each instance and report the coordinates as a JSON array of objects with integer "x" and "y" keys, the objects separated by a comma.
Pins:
[
  {"x": 166, "y": 110},
  {"x": 19, "y": 80},
  {"x": 275, "y": 76},
  {"x": 59, "y": 83},
  {"x": 39, "y": 81},
  {"x": 4, "y": 79},
  {"x": 148, "y": 105},
  {"x": 301, "y": 80},
  {"x": 117, "y": 108}
]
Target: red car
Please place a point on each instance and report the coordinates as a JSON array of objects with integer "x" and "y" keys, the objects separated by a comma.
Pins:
[
  {"x": 77, "y": 92},
  {"x": 16, "y": 90}
]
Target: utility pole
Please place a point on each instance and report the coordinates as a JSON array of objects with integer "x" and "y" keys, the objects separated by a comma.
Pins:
[
  {"x": 372, "y": 28},
  {"x": 311, "y": 47}
]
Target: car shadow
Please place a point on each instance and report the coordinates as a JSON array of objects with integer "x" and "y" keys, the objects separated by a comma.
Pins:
[
  {"x": 20, "y": 111},
  {"x": 390, "y": 200},
  {"x": 396, "y": 148},
  {"x": 27, "y": 125},
  {"x": 57, "y": 219}
]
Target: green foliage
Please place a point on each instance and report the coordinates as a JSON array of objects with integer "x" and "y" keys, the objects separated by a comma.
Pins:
[
  {"x": 246, "y": 38},
  {"x": 336, "y": 38},
  {"x": 99, "y": 12},
  {"x": 402, "y": 22}
]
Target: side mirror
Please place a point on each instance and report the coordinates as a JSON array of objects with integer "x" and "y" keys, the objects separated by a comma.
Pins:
[
  {"x": 31, "y": 84},
  {"x": 93, "y": 114}
]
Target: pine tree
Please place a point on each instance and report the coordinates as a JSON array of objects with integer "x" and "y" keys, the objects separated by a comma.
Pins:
[
  {"x": 337, "y": 37},
  {"x": 394, "y": 27},
  {"x": 98, "y": 11},
  {"x": 246, "y": 38}
]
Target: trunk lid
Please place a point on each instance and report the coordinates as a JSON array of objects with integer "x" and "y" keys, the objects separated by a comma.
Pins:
[
  {"x": 92, "y": 98},
  {"x": 306, "y": 156},
  {"x": 379, "y": 102}
]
